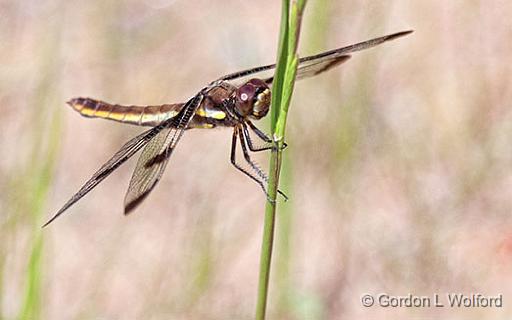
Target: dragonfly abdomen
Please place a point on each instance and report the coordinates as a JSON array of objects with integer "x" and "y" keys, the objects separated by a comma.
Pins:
[{"x": 137, "y": 115}]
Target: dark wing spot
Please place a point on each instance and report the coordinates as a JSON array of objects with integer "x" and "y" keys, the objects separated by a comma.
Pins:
[
  {"x": 135, "y": 202},
  {"x": 159, "y": 158}
]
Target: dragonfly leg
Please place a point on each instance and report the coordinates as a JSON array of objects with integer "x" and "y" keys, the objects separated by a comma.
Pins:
[
  {"x": 261, "y": 135},
  {"x": 268, "y": 143},
  {"x": 243, "y": 170},
  {"x": 253, "y": 165}
]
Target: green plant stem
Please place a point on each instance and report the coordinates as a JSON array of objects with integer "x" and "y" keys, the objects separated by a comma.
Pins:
[
  {"x": 46, "y": 134},
  {"x": 282, "y": 89}
]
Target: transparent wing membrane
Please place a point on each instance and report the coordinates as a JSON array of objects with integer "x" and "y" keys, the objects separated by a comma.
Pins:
[
  {"x": 130, "y": 148},
  {"x": 266, "y": 72},
  {"x": 312, "y": 69},
  {"x": 154, "y": 158}
]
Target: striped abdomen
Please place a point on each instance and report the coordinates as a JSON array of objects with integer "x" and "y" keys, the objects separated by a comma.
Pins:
[{"x": 142, "y": 116}]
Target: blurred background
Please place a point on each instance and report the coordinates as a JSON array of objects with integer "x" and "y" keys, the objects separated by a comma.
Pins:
[{"x": 399, "y": 165}]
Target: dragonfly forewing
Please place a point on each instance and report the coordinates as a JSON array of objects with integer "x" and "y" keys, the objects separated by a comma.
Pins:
[
  {"x": 130, "y": 148},
  {"x": 309, "y": 70},
  {"x": 155, "y": 156},
  {"x": 125, "y": 153},
  {"x": 265, "y": 72}
]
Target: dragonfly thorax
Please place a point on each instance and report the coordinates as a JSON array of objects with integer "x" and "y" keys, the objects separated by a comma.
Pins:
[{"x": 252, "y": 99}]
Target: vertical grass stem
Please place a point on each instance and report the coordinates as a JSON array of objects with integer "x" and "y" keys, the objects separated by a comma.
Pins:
[{"x": 282, "y": 89}]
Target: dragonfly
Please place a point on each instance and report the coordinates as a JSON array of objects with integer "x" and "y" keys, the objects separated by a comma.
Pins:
[{"x": 234, "y": 100}]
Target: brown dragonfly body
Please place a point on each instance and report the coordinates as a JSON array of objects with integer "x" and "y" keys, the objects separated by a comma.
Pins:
[
  {"x": 233, "y": 101},
  {"x": 210, "y": 113}
]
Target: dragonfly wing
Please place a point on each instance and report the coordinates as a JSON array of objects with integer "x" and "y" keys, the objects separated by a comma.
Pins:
[
  {"x": 265, "y": 72},
  {"x": 335, "y": 53},
  {"x": 127, "y": 151},
  {"x": 155, "y": 156},
  {"x": 148, "y": 171},
  {"x": 309, "y": 70}
]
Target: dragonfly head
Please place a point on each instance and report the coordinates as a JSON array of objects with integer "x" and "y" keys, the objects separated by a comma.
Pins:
[{"x": 253, "y": 99}]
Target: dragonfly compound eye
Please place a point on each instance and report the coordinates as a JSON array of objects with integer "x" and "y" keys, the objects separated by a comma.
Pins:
[
  {"x": 244, "y": 99},
  {"x": 253, "y": 99}
]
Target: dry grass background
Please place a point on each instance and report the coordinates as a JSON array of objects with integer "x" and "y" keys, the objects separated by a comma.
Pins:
[{"x": 399, "y": 167}]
